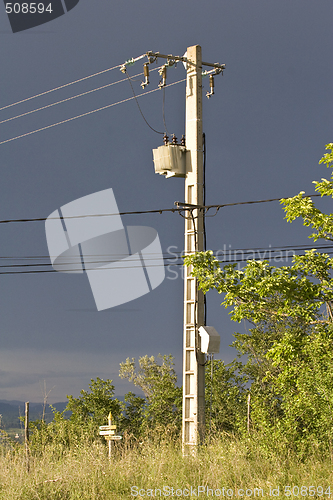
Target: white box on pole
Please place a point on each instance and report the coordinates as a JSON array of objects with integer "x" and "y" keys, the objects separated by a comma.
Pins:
[{"x": 210, "y": 340}]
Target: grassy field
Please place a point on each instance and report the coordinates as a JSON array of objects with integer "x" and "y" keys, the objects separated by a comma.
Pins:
[{"x": 224, "y": 468}]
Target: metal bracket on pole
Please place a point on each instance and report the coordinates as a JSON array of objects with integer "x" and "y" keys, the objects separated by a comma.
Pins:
[{"x": 190, "y": 205}]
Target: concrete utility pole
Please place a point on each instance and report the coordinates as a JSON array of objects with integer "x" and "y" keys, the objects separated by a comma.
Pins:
[
  {"x": 194, "y": 360},
  {"x": 193, "y": 428}
]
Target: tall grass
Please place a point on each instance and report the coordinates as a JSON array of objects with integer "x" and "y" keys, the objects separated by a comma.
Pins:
[{"x": 84, "y": 471}]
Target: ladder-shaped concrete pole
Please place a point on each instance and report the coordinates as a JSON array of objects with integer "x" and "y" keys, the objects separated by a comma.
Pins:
[{"x": 193, "y": 361}]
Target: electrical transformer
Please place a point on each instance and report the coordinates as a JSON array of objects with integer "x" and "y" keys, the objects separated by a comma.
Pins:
[{"x": 170, "y": 160}]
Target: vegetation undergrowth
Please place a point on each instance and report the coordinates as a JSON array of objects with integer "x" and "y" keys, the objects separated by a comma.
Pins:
[{"x": 227, "y": 466}]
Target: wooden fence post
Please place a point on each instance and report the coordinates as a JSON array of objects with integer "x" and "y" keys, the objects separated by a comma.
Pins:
[
  {"x": 26, "y": 435},
  {"x": 248, "y": 412}
]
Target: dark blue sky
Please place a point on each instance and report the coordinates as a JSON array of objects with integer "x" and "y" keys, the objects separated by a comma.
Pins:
[{"x": 266, "y": 128}]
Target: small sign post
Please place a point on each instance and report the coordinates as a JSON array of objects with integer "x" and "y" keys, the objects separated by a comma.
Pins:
[
  {"x": 110, "y": 442},
  {"x": 108, "y": 432}
]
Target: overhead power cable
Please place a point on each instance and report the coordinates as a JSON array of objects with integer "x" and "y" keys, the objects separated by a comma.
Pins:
[
  {"x": 165, "y": 264},
  {"x": 179, "y": 255},
  {"x": 163, "y": 113},
  {"x": 61, "y": 87},
  {"x": 249, "y": 202},
  {"x": 70, "y": 98},
  {"x": 143, "y": 116},
  {"x": 159, "y": 210},
  {"x": 230, "y": 255},
  {"x": 64, "y": 100},
  {"x": 87, "y": 113}
]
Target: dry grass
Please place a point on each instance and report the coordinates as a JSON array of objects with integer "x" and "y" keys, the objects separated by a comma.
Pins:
[{"x": 85, "y": 472}]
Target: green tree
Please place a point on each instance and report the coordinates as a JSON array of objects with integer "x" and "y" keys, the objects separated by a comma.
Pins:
[
  {"x": 158, "y": 383},
  {"x": 303, "y": 206},
  {"x": 132, "y": 418},
  {"x": 94, "y": 407},
  {"x": 289, "y": 346},
  {"x": 225, "y": 397}
]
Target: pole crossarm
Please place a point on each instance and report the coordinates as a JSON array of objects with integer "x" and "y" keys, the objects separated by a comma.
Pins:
[{"x": 153, "y": 56}]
